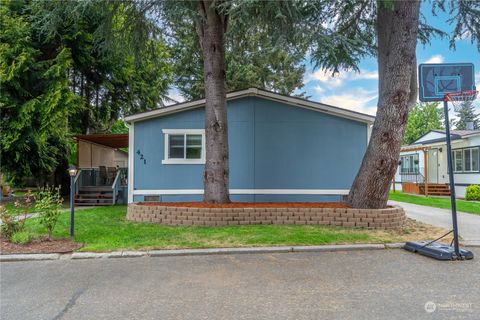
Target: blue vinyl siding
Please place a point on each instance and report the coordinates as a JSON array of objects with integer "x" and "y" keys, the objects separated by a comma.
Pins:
[{"x": 272, "y": 146}]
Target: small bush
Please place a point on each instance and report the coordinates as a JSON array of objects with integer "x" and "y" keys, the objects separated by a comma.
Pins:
[
  {"x": 20, "y": 237},
  {"x": 13, "y": 219},
  {"x": 9, "y": 224},
  {"x": 49, "y": 206},
  {"x": 473, "y": 192}
]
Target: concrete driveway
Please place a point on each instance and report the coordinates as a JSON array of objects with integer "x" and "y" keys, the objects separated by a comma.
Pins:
[
  {"x": 468, "y": 224},
  {"x": 379, "y": 284}
]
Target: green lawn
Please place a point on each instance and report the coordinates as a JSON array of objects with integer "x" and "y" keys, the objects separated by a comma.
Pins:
[
  {"x": 437, "y": 202},
  {"x": 105, "y": 229},
  {"x": 10, "y": 206}
]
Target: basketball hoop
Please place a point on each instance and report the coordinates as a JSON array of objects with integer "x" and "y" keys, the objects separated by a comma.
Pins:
[
  {"x": 454, "y": 83},
  {"x": 457, "y": 98}
]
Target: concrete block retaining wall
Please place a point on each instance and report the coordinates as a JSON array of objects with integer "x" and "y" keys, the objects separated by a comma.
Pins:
[{"x": 389, "y": 218}]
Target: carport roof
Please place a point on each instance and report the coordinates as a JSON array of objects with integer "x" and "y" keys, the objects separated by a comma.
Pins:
[{"x": 110, "y": 140}]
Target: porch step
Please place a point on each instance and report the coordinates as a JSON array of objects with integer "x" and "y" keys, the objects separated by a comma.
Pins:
[
  {"x": 80, "y": 204},
  {"x": 438, "y": 190},
  {"x": 94, "y": 196},
  {"x": 438, "y": 193}
]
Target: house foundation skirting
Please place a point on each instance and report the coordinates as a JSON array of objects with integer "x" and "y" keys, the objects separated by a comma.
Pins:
[{"x": 389, "y": 218}]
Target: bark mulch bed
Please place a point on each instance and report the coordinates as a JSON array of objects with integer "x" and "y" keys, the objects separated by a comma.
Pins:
[
  {"x": 41, "y": 245},
  {"x": 249, "y": 204}
]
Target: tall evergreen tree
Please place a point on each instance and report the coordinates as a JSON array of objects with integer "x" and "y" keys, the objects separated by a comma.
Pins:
[
  {"x": 251, "y": 61},
  {"x": 57, "y": 80},
  {"x": 35, "y": 98},
  {"x": 467, "y": 114},
  {"x": 110, "y": 80}
]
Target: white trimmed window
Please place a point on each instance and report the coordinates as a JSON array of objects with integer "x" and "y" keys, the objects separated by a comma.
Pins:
[
  {"x": 409, "y": 164},
  {"x": 466, "y": 160},
  {"x": 184, "y": 146}
]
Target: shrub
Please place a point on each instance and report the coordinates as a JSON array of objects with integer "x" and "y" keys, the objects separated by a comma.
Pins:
[
  {"x": 49, "y": 207},
  {"x": 473, "y": 192},
  {"x": 20, "y": 237},
  {"x": 9, "y": 224},
  {"x": 13, "y": 219}
]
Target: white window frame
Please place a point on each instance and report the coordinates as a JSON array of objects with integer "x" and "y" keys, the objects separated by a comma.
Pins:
[
  {"x": 462, "y": 152},
  {"x": 478, "y": 159},
  {"x": 168, "y": 132},
  {"x": 455, "y": 158},
  {"x": 413, "y": 167}
]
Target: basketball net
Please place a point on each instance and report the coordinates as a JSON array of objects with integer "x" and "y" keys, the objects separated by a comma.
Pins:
[{"x": 457, "y": 98}]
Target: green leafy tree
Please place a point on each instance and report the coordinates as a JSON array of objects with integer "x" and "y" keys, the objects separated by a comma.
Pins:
[
  {"x": 35, "y": 98},
  {"x": 423, "y": 118},
  {"x": 467, "y": 114},
  {"x": 112, "y": 80},
  {"x": 251, "y": 61},
  {"x": 57, "y": 80}
]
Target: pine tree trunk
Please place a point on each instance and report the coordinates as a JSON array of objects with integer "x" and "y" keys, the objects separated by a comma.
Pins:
[
  {"x": 397, "y": 29},
  {"x": 211, "y": 33}
]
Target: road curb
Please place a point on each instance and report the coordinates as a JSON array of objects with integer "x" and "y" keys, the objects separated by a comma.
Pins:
[
  {"x": 29, "y": 257},
  {"x": 338, "y": 247},
  {"x": 472, "y": 245},
  {"x": 196, "y": 252}
]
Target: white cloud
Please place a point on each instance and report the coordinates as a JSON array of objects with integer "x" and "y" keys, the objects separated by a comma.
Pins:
[
  {"x": 358, "y": 99},
  {"x": 438, "y": 58},
  {"x": 318, "y": 89},
  {"x": 334, "y": 81},
  {"x": 175, "y": 95},
  {"x": 325, "y": 77},
  {"x": 477, "y": 79}
]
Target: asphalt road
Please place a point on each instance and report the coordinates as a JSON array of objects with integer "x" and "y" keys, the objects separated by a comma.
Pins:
[
  {"x": 468, "y": 223},
  {"x": 382, "y": 284}
]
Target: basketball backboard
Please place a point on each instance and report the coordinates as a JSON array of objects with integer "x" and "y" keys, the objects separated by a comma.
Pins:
[{"x": 438, "y": 79}]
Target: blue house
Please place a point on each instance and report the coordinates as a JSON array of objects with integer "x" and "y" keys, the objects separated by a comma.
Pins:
[{"x": 281, "y": 149}]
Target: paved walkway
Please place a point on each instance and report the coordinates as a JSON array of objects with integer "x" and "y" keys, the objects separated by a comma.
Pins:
[
  {"x": 377, "y": 284},
  {"x": 468, "y": 224}
]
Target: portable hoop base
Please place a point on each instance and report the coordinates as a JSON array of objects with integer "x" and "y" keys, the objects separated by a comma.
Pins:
[{"x": 437, "y": 250}]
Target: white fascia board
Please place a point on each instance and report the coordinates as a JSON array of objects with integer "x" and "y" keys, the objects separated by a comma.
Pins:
[
  {"x": 315, "y": 106},
  {"x": 440, "y": 143},
  {"x": 471, "y": 135},
  {"x": 319, "y": 107},
  {"x": 160, "y": 112}
]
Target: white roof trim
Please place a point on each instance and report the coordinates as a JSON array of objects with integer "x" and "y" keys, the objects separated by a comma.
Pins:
[
  {"x": 315, "y": 106},
  {"x": 460, "y": 138}
]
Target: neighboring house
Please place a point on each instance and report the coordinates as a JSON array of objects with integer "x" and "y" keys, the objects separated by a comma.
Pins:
[
  {"x": 281, "y": 148},
  {"x": 424, "y": 163}
]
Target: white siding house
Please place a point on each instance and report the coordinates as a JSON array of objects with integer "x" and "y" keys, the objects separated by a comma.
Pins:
[{"x": 425, "y": 160}]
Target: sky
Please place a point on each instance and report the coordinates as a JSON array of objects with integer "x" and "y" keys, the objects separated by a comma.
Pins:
[{"x": 358, "y": 91}]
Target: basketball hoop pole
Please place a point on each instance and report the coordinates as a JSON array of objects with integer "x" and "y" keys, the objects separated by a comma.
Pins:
[
  {"x": 454, "y": 83},
  {"x": 451, "y": 179}
]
